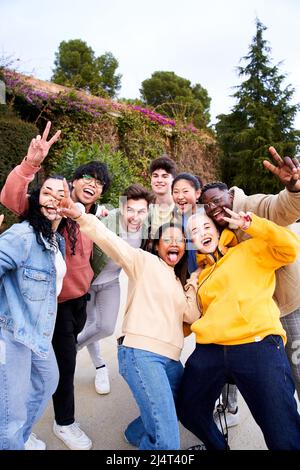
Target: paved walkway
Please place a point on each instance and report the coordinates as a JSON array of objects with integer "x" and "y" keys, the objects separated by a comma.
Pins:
[{"x": 104, "y": 417}]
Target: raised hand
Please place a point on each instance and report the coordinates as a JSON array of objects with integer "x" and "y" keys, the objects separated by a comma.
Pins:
[
  {"x": 286, "y": 169},
  {"x": 39, "y": 147},
  {"x": 66, "y": 207},
  {"x": 239, "y": 220}
]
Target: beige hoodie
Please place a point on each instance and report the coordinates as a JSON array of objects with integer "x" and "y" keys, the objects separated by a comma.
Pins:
[{"x": 157, "y": 304}]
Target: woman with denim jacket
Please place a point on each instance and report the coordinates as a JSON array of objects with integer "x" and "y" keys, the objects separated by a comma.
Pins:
[{"x": 32, "y": 268}]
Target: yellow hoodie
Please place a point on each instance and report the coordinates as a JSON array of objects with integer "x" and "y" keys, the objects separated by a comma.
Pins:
[{"x": 236, "y": 292}]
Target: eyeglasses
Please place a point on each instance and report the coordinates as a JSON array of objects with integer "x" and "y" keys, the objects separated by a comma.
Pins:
[
  {"x": 216, "y": 202},
  {"x": 178, "y": 240},
  {"x": 89, "y": 179}
]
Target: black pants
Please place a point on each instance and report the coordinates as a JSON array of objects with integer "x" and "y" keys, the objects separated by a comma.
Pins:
[{"x": 71, "y": 317}]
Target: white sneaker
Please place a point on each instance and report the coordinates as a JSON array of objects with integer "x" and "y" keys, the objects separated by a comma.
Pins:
[
  {"x": 72, "y": 436},
  {"x": 232, "y": 419},
  {"x": 199, "y": 446},
  {"x": 102, "y": 385},
  {"x": 33, "y": 443}
]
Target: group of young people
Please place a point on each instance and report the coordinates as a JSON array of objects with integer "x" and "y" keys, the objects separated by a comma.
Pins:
[{"x": 219, "y": 262}]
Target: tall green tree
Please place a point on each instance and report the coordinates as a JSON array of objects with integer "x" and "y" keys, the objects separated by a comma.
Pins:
[
  {"x": 107, "y": 65},
  {"x": 76, "y": 66},
  {"x": 262, "y": 116},
  {"x": 175, "y": 96}
]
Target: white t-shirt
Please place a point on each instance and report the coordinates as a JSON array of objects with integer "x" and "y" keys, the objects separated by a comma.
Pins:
[{"x": 61, "y": 269}]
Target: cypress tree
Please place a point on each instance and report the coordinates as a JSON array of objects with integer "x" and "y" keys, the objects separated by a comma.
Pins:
[{"x": 261, "y": 117}]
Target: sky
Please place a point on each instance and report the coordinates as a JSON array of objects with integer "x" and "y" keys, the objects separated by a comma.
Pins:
[{"x": 202, "y": 41}]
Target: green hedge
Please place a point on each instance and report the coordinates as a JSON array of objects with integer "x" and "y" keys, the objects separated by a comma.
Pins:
[{"x": 15, "y": 136}]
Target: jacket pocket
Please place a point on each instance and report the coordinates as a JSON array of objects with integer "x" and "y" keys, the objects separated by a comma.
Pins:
[{"x": 35, "y": 284}]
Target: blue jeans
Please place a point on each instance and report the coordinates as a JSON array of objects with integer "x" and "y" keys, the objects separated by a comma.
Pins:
[
  {"x": 27, "y": 383},
  {"x": 262, "y": 374},
  {"x": 154, "y": 381}
]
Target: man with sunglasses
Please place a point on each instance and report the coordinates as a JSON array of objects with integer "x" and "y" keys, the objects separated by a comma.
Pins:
[
  {"x": 283, "y": 209},
  {"x": 89, "y": 182}
]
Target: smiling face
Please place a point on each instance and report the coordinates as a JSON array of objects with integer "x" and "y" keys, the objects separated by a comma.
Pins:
[
  {"x": 204, "y": 233},
  {"x": 134, "y": 213},
  {"x": 171, "y": 245},
  {"x": 185, "y": 196},
  {"x": 161, "y": 182},
  {"x": 214, "y": 201},
  {"x": 47, "y": 202},
  {"x": 86, "y": 190}
]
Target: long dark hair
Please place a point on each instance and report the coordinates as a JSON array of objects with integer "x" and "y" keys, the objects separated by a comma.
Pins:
[
  {"x": 180, "y": 268},
  {"x": 42, "y": 226}
]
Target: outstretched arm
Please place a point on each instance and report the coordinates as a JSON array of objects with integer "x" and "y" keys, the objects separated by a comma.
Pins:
[
  {"x": 286, "y": 169},
  {"x": 14, "y": 192},
  {"x": 129, "y": 258},
  {"x": 280, "y": 242}
]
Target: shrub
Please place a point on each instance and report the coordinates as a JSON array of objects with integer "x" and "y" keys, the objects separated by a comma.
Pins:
[
  {"x": 15, "y": 136},
  {"x": 77, "y": 153}
]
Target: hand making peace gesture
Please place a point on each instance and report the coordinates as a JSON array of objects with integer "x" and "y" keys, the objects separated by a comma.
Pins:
[
  {"x": 286, "y": 169},
  {"x": 39, "y": 147}
]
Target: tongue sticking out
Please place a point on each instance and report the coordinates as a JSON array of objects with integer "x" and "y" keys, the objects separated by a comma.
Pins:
[{"x": 173, "y": 257}]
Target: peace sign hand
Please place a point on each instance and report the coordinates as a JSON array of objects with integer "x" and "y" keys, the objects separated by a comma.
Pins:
[
  {"x": 286, "y": 169},
  {"x": 240, "y": 220},
  {"x": 66, "y": 207},
  {"x": 39, "y": 147}
]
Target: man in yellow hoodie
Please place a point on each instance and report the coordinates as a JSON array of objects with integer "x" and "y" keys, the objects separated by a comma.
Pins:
[
  {"x": 283, "y": 209},
  {"x": 239, "y": 335}
]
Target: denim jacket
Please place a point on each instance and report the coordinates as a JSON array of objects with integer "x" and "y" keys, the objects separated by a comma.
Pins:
[{"x": 28, "y": 301}]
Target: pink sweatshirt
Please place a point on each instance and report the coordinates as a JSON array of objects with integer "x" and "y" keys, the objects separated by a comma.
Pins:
[{"x": 79, "y": 272}]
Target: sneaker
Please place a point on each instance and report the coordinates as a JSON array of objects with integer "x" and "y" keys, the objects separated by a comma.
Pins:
[
  {"x": 232, "y": 419},
  {"x": 199, "y": 446},
  {"x": 72, "y": 436},
  {"x": 102, "y": 385},
  {"x": 33, "y": 443}
]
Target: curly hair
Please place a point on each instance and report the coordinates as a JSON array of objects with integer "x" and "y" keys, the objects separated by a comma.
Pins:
[
  {"x": 68, "y": 228},
  {"x": 41, "y": 225},
  {"x": 215, "y": 185},
  {"x": 95, "y": 169}
]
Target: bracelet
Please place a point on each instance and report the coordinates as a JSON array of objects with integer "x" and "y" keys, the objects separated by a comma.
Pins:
[{"x": 247, "y": 221}]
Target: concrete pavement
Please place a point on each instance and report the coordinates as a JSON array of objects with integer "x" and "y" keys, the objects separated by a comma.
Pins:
[{"x": 104, "y": 417}]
